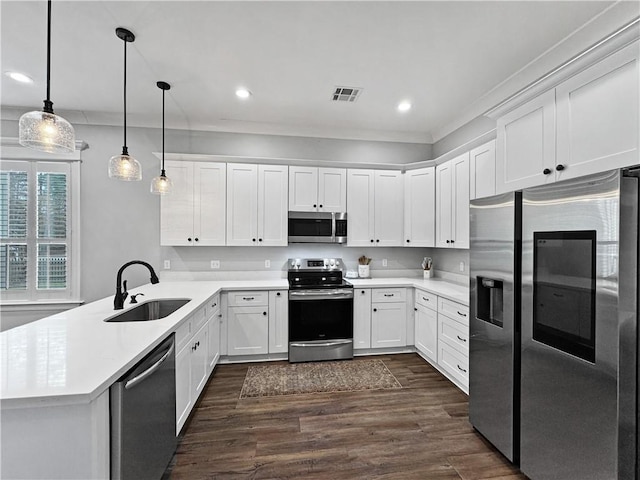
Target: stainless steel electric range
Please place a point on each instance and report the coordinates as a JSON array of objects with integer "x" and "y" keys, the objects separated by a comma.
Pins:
[{"x": 320, "y": 310}]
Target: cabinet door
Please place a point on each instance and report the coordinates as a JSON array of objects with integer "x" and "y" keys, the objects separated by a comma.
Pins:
[
  {"x": 199, "y": 360},
  {"x": 332, "y": 189},
  {"x": 184, "y": 396},
  {"x": 362, "y": 318},
  {"x": 389, "y": 208},
  {"x": 444, "y": 211},
  {"x": 460, "y": 202},
  {"x": 272, "y": 205},
  {"x": 388, "y": 325},
  {"x": 210, "y": 193},
  {"x": 213, "y": 350},
  {"x": 176, "y": 217},
  {"x": 526, "y": 145},
  {"x": 278, "y": 321},
  {"x": 303, "y": 189},
  {"x": 597, "y": 116},
  {"x": 248, "y": 330},
  {"x": 427, "y": 332},
  {"x": 242, "y": 204},
  {"x": 420, "y": 207},
  {"x": 482, "y": 171},
  {"x": 360, "y": 208}
]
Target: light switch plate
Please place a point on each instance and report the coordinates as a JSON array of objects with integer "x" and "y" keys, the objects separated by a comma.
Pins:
[
  {"x": 267, "y": 264},
  {"x": 167, "y": 264},
  {"x": 384, "y": 262}
]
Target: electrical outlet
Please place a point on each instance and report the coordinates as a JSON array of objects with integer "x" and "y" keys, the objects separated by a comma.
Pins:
[
  {"x": 167, "y": 264},
  {"x": 384, "y": 262},
  {"x": 267, "y": 264},
  {"x": 462, "y": 266},
  {"x": 215, "y": 264}
]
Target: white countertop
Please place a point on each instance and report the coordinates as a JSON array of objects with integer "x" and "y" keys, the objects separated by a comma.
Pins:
[
  {"x": 74, "y": 356},
  {"x": 438, "y": 286}
]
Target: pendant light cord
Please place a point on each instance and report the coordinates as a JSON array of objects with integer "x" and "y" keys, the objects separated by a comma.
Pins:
[
  {"x": 162, "y": 173},
  {"x": 124, "y": 147},
  {"x": 48, "y": 104}
]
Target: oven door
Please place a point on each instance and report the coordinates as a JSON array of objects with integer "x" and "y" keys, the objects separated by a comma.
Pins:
[{"x": 320, "y": 324}]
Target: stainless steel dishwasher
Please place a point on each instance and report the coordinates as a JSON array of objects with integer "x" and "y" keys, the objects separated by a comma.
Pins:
[{"x": 143, "y": 416}]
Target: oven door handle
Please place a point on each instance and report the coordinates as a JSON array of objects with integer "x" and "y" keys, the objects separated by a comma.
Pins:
[
  {"x": 331, "y": 343},
  {"x": 320, "y": 295}
]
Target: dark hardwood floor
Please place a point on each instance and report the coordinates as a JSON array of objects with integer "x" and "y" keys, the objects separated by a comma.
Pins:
[{"x": 418, "y": 432}]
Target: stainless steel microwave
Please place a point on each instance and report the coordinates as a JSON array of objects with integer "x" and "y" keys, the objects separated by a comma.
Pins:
[{"x": 317, "y": 227}]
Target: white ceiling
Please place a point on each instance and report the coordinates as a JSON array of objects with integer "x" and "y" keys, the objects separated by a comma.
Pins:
[{"x": 452, "y": 59}]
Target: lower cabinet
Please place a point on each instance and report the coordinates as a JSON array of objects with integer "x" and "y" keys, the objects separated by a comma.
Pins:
[
  {"x": 248, "y": 330},
  {"x": 278, "y": 321},
  {"x": 213, "y": 350},
  {"x": 426, "y": 324},
  {"x": 388, "y": 318},
  {"x": 361, "y": 318}
]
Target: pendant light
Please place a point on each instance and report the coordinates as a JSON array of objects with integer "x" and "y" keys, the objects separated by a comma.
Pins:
[
  {"x": 124, "y": 166},
  {"x": 46, "y": 131},
  {"x": 162, "y": 185}
]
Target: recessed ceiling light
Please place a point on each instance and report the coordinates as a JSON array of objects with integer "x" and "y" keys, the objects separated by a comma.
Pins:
[
  {"x": 243, "y": 93},
  {"x": 19, "y": 77},
  {"x": 404, "y": 106}
]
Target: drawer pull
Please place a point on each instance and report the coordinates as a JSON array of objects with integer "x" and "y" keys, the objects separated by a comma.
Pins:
[
  {"x": 425, "y": 299},
  {"x": 461, "y": 339},
  {"x": 460, "y": 368},
  {"x": 215, "y": 304},
  {"x": 248, "y": 299},
  {"x": 388, "y": 294},
  {"x": 462, "y": 314}
]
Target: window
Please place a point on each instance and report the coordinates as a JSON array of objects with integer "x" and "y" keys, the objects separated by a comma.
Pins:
[{"x": 37, "y": 213}]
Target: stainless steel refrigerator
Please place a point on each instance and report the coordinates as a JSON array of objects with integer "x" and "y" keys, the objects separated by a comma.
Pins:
[{"x": 554, "y": 338}]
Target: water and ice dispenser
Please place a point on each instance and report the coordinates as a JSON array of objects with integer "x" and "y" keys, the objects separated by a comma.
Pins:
[{"x": 489, "y": 298}]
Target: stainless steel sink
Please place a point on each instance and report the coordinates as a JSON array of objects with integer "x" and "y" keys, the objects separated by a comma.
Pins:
[{"x": 151, "y": 310}]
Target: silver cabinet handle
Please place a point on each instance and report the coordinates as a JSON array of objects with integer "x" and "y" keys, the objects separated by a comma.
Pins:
[{"x": 139, "y": 378}]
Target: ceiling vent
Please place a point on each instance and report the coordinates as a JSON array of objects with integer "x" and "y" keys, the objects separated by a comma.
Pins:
[{"x": 346, "y": 94}]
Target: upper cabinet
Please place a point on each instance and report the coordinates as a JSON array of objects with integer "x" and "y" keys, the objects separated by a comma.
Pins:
[
  {"x": 586, "y": 124},
  {"x": 452, "y": 203},
  {"x": 313, "y": 189},
  {"x": 257, "y": 204},
  {"x": 194, "y": 212},
  {"x": 375, "y": 202},
  {"x": 482, "y": 171},
  {"x": 420, "y": 207}
]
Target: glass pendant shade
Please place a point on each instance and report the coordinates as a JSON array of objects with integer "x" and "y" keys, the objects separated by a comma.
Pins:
[
  {"x": 46, "y": 132},
  {"x": 125, "y": 167},
  {"x": 161, "y": 185}
]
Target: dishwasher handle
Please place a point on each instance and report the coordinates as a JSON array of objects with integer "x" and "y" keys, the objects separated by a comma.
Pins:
[{"x": 140, "y": 378}]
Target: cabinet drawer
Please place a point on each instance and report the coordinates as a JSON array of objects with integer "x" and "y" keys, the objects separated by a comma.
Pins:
[
  {"x": 454, "y": 333},
  {"x": 455, "y": 310},
  {"x": 198, "y": 318},
  {"x": 456, "y": 364},
  {"x": 213, "y": 305},
  {"x": 387, "y": 295},
  {"x": 426, "y": 299},
  {"x": 238, "y": 299},
  {"x": 183, "y": 334}
]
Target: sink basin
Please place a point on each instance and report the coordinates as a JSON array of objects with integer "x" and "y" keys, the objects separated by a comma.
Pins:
[{"x": 151, "y": 310}]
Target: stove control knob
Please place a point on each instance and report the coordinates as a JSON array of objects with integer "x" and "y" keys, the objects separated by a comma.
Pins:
[
  {"x": 332, "y": 262},
  {"x": 337, "y": 263}
]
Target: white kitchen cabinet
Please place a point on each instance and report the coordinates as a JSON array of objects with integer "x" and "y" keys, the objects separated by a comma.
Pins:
[
  {"x": 586, "y": 124},
  {"x": 597, "y": 116},
  {"x": 420, "y": 207},
  {"x": 388, "y": 318},
  {"x": 278, "y": 321},
  {"x": 361, "y": 318},
  {"x": 257, "y": 204},
  {"x": 426, "y": 324},
  {"x": 375, "y": 206},
  {"x": 453, "y": 341},
  {"x": 317, "y": 189},
  {"x": 248, "y": 330},
  {"x": 199, "y": 360},
  {"x": 482, "y": 171},
  {"x": 194, "y": 212},
  {"x": 215, "y": 317},
  {"x": 452, "y": 203}
]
